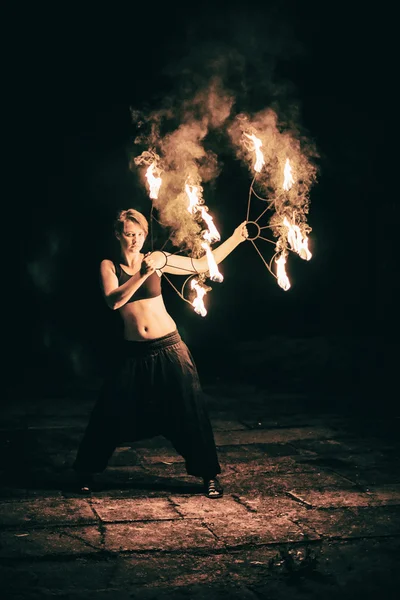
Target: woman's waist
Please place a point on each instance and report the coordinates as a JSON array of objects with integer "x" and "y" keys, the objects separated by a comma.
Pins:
[{"x": 150, "y": 345}]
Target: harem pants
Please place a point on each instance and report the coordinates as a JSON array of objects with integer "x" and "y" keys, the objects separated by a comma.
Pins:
[{"x": 153, "y": 390}]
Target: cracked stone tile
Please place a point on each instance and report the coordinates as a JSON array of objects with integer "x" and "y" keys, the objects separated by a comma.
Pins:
[
  {"x": 269, "y": 436},
  {"x": 177, "y": 570},
  {"x": 354, "y": 521},
  {"x": 276, "y": 505},
  {"x": 136, "y": 509},
  {"x": 227, "y": 425},
  {"x": 333, "y": 498},
  {"x": 256, "y": 481},
  {"x": 327, "y": 446},
  {"x": 63, "y": 541},
  {"x": 202, "y": 507},
  {"x": 160, "y": 535},
  {"x": 45, "y": 511},
  {"x": 272, "y": 450},
  {"x": 255, "y": 529},
  {"x": 386, "y": 494}
]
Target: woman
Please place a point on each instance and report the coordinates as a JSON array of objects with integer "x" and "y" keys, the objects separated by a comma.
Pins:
[{"x": 154, "y": 388}]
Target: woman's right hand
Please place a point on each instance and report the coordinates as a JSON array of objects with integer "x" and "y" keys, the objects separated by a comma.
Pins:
[
  {"x": 241, "y": 234},
  {"x": 147, "y": 267}
]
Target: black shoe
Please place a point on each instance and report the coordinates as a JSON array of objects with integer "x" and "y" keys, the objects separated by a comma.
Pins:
[{"x": 213, "y": 488}]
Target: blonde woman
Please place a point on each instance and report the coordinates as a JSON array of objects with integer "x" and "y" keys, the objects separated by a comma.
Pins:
[{"x": 154, "y": 389}]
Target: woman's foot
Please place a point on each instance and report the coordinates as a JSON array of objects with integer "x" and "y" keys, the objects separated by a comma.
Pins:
[
  {"x": 84, "y": 482},
  {"x": 213, "y": 488}
]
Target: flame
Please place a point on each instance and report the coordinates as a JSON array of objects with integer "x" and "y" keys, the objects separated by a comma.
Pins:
[
  {"x": 193, "y": 193},
  {"x": 296, "y": 240},
  {"x": 288, "y": 180},
  {"x": 195, "y": 205},
  {"x": 283, "y": 279},
  {"x": 215, "y": 275},
  {"x": 198, "y": 303},
  {"x": 257, "y": 143},
  {"x": 154, "y": 181},
  {"x": 212, "y": 235}
]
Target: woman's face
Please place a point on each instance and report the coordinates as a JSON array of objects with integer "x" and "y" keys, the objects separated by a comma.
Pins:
[{"x": 131, "y": 238}]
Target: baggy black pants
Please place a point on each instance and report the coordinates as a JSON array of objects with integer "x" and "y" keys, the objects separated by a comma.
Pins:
[{"x": 153, "y": 390}]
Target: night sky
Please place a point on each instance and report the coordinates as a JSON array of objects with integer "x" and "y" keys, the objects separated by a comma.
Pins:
[{"x": 77, "y": 74}]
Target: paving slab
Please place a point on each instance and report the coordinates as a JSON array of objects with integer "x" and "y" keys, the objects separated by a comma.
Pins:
[
  {"x": 253, "y": 529},
  {"x": 202, "y": 508},
  {"x": 333, "y": 498},
  {"x": 376, "y": 496},
  {"x": 274, "y": 505},
  {"x": 352, "y": 522},
  {"x": 271, "y": 450},
  {"x": 176, "y": 570},
  {"x": 57, "y": 576},
  {"x": 266, "y": 421},
  {"x": 138, "y": 509},
  {"x": 311, "y": 506},
  {"x": 279, "y": 465},
  {"x": 23, "y": 543},
  {"x": 257, "y": 480},
  {"x": 46, "y": 511},
  {"x": 227, "y": 425},
  {"x": 386, "y": 494},
  {"x": 322, "y": 447},
  {"x": 269, "y": 436},
  {"x": 165, "y": 535}
]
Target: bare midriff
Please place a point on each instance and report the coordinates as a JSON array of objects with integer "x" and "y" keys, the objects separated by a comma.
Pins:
[{"x": 146, "y": 319}]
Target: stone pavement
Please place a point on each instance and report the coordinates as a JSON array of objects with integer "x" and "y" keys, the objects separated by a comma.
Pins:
[{"x": 311, "y": 506}]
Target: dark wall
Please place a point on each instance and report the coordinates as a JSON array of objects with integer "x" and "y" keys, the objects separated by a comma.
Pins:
[{"x": 75, "y": 83}]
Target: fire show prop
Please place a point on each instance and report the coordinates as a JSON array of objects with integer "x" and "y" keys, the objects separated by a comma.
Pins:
[{"x": 283, "y": 175}]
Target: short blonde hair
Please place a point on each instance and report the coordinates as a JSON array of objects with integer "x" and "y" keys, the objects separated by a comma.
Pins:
[{"x": 133, "y": 215}]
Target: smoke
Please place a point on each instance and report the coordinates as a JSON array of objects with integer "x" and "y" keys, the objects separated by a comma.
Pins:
[
  {"x": 228, "y": 84},
  {"x": 280, "y": 142},
  {"x": 182, "y": 158}
]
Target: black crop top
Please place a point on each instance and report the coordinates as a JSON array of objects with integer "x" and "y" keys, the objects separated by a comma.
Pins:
[{"x": 150, "y": 288}]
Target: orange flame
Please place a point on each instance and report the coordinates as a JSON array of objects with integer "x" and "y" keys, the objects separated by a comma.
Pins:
[
  {"x": 154, "y": 180},
  {"x": 296, "y": 240},
  {"x": 198, "y": 303},
  {"x": 215, "y": 275},
  {"x": 212, "y": 235},
  {"x": 283, "y": 280},
  {"x": 195, "y": 205},
  {"x": 288, "y": 180},
  {"x": 257, "y": 143}
]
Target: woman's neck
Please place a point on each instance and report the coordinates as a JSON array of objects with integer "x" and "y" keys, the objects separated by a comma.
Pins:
[{"x": 131, "y": 260}]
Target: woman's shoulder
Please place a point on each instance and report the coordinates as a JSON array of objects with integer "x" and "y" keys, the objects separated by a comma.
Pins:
[{"x": 107, "y": 264}]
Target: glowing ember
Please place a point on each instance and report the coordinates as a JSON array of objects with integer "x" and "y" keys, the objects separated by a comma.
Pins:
[
  {"x": 198, "y": 303},
  {"x": 283, "y": 280},
  {"x": 288, "y": 177},
  {"x": 215, "y": 275},
  {"x": 296, "y": 240},
  {"x": 257, "y": 143}
]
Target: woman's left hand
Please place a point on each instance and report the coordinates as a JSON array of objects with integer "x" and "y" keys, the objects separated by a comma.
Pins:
[{"x": 241, "y": 234}]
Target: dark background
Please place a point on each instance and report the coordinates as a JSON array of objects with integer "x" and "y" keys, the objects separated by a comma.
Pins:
[{"x": 74, "y": 76}]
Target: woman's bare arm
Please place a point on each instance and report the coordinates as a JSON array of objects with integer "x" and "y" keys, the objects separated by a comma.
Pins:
[
  {"x": 184, "y": 265},
  {"x": 117, "y": 295}
]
